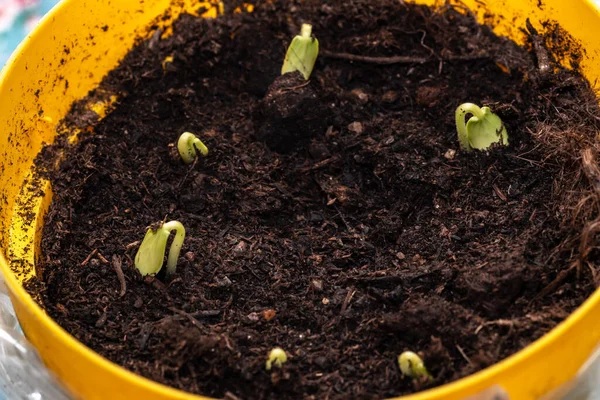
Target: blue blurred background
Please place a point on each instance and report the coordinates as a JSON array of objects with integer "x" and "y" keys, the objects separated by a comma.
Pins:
[{"x": 17, "y": 18}]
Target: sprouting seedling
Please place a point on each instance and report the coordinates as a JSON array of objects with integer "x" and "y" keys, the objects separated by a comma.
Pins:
[
  {"x": 302, "y": 53},
  {"x": 412, "y": 366},
  {"x": 276, "y": 358},
  {"x": 189, "y": 145},
  {"x": 482, "y": 130},
  {"x": 150, "y": 255}
]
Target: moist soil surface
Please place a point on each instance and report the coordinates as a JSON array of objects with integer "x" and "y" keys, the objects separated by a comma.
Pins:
[{"x": 365, "y": 233}]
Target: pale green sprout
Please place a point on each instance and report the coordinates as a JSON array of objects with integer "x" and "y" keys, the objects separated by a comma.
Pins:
[
  {"x": 150, "y": 255},
  {"x": 189, "y": 145},
  {"x": 302, "y": 53},
  {"x": 276, "y": 358},
  {"x": 412, "y": 366},
  {"x": 482, "y": 130}
]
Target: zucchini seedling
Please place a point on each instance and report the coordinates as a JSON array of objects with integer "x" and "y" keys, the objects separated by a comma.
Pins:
[
  {"x": 412, "y": 366},
  {"x": 482, "y": 130},
  {"x": 189, "y": 145},
  {"x": 276, "y": 358},
  {"x": 302, "y": 53},
  {"x": 150, "y": 255}
]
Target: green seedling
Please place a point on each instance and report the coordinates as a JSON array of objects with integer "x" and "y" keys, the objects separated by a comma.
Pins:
[
  {"x": 189, "y": 145},
  {"x": 482, "y": 130},
  {"x": 150, "y": 255},
  {"x": 302, "y": 53},
  {"x": 276, "y": 358},
  {"x": 412, "y": 366}
]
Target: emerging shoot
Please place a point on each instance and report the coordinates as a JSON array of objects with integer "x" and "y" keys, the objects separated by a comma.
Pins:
[
  {"x": 482, "y": 130},
  {"x": 302, "y": 53},
  {"x": 189, "y": 145},
  {"x": 412, "y": 366},
  {"x": 276, "y": 358},
  {"x": 150, "y": 255}
]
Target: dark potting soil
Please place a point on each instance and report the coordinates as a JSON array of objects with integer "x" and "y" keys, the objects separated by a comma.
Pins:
[{"x": 363, "y": 233}]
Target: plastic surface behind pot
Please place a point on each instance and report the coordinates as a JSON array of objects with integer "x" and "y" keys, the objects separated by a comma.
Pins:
[{"x": 69, "y": 53}]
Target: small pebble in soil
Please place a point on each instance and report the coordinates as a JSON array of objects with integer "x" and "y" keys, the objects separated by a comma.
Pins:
[
  {"x": 269, "y": 314},
  {"x": 316, "y": 285},
  {"x": 253, "y": 317},
  {"x": 223, "y": 282},
  {"x": 361, "y": 95},
  {"x": 429, "y": 96},
  {"x": 138, "y": 303},
  {"x": 390, "y": 96},
  {"x": 240, "y": 247},
  {"x": 449, "y": 155},
  {"x": 356, "y": 127}
]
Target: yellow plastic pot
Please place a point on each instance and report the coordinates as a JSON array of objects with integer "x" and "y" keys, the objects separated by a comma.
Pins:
[{"x": 69, "y": 53}]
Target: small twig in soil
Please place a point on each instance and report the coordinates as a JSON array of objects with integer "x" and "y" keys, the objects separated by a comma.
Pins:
[
  {"x": 399, "y": 59},
  {"x": 155, "y": 283},
  {"x": 102, "y": 320},
  {"x": 592, "y": 172},
  {"x": 251, "y": 270},
  {"x": 389, "y": 278},
  {"x": 193, "y": 320},
  {"x": 133, "y": 245},
  {"x": 463, "y": 354},
  {"x": 348, "y": 299},
  {"x": 594, "y": 273},
  {"x": 499, "y": 322},
  {"x": 187, "y": 173},
  {"x": 206, "y": 313},
  {"x": 591, "y": 169},
  {"x": 88, "y": 258},
  {"x": 130, "y": 262},
  {"x": 155, "y": 39},
  {"x": 290, "y": 89},
  {"x": 118, "y": 267},
  {"x": 227, "y": 342},
  {"x": 499, "y": 193},
  {"x": 543, "y": 59},
  {"x": 320, "y": 164},
  {"x": 560, "y": 278},
  {"x": 102, "y": 258},
  {"x": 589, "y": 232},
  {"x": 503, "y": 339},
  {"x": 378, "y": 279},
  {"x": 532, "y": 162},
  {"x": 145, "y": 333},
  {"x": 532, "y": 216},
  {"x": 481, "y": 265},
  {"x": 174, "y": 281},
  {"x": 230, "y": 396},
  {"x": 350, "y": 229},
  {"x": 566, "y": 244}
]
